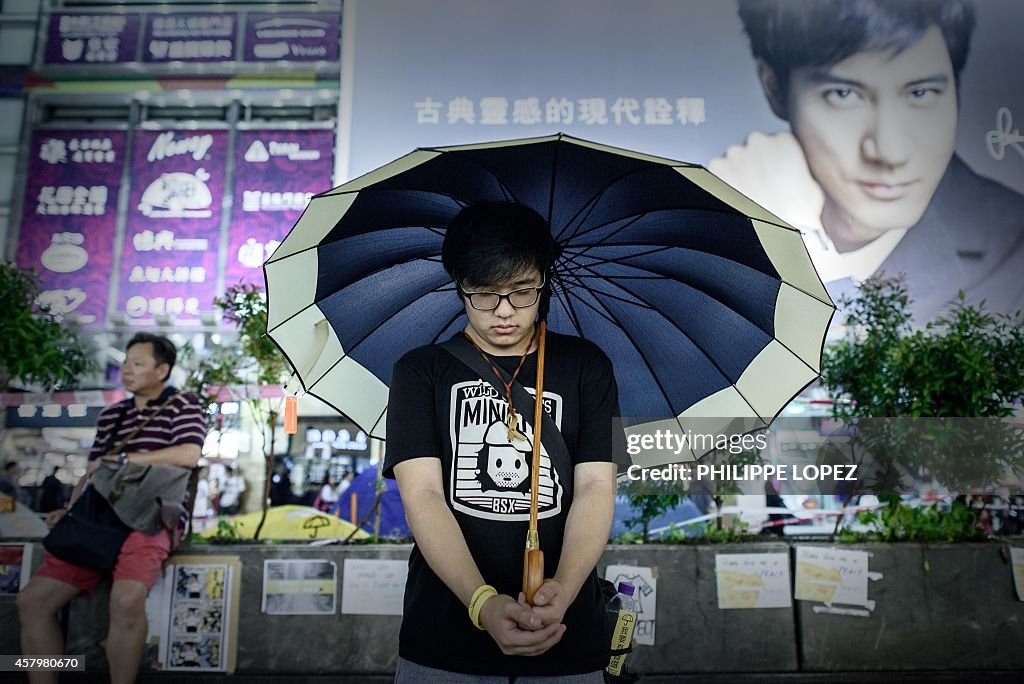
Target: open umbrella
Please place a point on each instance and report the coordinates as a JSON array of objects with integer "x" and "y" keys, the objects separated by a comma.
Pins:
[{"x": 707, "y": 304}]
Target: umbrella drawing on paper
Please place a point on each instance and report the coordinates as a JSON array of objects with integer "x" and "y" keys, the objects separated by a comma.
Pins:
[
  {"x": 707, "y": 304},
  {"x": 291, "y": 522}
]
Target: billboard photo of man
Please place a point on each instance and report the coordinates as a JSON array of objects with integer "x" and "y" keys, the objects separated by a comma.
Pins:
[{"x": 871, "y": 92}]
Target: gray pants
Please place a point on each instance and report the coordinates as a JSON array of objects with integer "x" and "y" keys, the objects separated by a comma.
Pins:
[{"x": 410, "y": 673}]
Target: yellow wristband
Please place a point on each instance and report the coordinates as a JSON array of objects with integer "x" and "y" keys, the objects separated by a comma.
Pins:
[{"x": 480, "y": 596}]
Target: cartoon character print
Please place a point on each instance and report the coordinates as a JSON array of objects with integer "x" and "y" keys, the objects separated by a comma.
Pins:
[
  {"x": 508, "y": 463},
  {"x": 490, "y": 475}
]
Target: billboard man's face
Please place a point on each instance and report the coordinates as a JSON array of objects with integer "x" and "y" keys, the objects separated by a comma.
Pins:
[{"x": 878, "y": 130}]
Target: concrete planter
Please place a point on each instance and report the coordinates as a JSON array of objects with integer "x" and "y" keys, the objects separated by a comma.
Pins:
[
  {"x": 944, "y": 607},
  {"x": 692, "y": 634}
]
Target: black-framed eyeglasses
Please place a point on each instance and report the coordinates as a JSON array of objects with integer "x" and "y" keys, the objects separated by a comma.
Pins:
[{"x": 522, "y": 298}]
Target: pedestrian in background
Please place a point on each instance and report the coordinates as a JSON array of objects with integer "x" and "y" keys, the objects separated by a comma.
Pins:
[{"x": 156, "y": 426}]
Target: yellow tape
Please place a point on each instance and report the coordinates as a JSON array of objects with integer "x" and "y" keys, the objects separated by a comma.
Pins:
[{"x": 621, "y": 637}]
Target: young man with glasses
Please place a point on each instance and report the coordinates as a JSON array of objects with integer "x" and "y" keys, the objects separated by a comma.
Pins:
[{"x": 463, "y": 470}]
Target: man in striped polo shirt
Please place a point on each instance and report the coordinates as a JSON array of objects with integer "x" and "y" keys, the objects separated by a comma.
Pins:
[{"x": 172, "y": 437}]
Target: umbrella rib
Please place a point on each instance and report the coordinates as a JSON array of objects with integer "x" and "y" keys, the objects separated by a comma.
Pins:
[
  {"x": 659, "y": 276},
  {"x": 576, "y": 276},
  {"x": 370, "y": 332},
  {"x": 564, "y": 298},
  {"x": 629, "y": 218},
  {"x": 596, "y": 196},
  {"x": 684, "y": 333},
  {"x": 610, "y": 316},
  {"x": 432, "y": 259},
  {"x": 600, "y": 261},
  {"x": 497, "y": 179},
  {"x": 707, "y": 356},
  {"x": 600, "y": 312},
  {"x": 568, "y": 257},
  {"x": 554, "y": 176},
  {"x": 621, "y": 262},
  {"x": 446, "y": 325},
  {"x": 794, "y": 354},
  {"x": 736, "y": 214},
  {"x": 431, "y": 229},
  {"x": 567, "y": 302},
  {"x": 587, "y": 247},
  {"x": 620, "y": 277},
  {"x": 593, "y": 200},
  {"x": 612, "y": 279}
]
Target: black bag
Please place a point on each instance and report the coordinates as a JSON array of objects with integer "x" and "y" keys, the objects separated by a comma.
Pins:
[{"x": 90, "y": 534}]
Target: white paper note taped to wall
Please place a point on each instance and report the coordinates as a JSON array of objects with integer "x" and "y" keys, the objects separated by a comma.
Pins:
[
  {"x": 373, "y": 587},
  {"x": 832, "y": 576},
  {"x": 752, "y": 580},
  {"x": 1017, "y": 562}
]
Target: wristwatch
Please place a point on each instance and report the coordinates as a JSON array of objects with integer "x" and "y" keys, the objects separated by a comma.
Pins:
[{"x": 122, "y": 457}]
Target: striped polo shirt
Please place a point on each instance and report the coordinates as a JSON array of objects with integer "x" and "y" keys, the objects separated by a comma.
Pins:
[{"x": 181, "y": 421}]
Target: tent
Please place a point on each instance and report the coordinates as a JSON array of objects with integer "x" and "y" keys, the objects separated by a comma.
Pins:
[{"x": 392, "y": 513}]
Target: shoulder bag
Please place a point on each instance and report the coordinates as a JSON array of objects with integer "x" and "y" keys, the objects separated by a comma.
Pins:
[{"x": 91, "y": 533}]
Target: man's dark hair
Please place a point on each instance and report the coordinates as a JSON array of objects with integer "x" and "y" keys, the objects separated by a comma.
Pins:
[
  {"x": 10, "y": 465},
  {"x": 163, "y": 349},
  {"x": 790, "y": 34},
  {"x": 493, "y": 242}
]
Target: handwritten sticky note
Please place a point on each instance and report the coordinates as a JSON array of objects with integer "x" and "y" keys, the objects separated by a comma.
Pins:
[
  {"x": 832, "y": 576},
  {"x": 752, "y": 580},
  {"x": 373, "y": 587},
  {"x": 1017, "y": 561}
]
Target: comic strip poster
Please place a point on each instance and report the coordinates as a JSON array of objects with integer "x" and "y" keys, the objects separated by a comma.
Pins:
[
  {"x": 202, "y": 614},
  {"x": 15, "y": 565}
]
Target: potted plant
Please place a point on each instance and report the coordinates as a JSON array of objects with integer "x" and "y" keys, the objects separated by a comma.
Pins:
[{"x": 37, "y": 348}]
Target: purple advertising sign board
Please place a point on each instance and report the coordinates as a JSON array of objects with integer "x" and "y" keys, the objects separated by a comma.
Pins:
[
  {"x": 276, "y": 174},
  {"x": 70, "y": 218},
  {"x": 169, "y": 260},
  {"x": 294, "y": 37},
  {"x": 108, "y": 38},
  {"x": 190, "y": 37}
]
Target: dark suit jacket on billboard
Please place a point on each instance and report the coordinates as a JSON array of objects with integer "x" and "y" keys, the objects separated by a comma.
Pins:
[{"x": 970, "y": 238}]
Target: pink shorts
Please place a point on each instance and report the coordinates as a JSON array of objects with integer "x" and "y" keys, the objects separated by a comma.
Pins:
[{"x": 140, "y": 559}]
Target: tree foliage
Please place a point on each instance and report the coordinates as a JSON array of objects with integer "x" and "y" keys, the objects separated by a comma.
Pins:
[
  {"x": 969, "y": 362},
  {"x": 241, "y": 370},
  {"x": 245, "y": 306},
  {"x": 36, "y": 346},
  {"x": 933, "y": 400}
]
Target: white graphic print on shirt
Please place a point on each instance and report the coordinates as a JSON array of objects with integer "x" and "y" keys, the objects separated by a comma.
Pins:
[{"x": 490, "y": 475}]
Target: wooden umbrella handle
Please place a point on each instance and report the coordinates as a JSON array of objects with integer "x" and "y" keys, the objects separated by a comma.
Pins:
[
  {"x": 533, "y": 558},
  {"x": 533, "y": 572}
]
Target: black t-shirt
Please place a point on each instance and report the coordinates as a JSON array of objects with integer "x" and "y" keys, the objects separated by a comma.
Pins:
[{"x": 439, "y": 408}]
